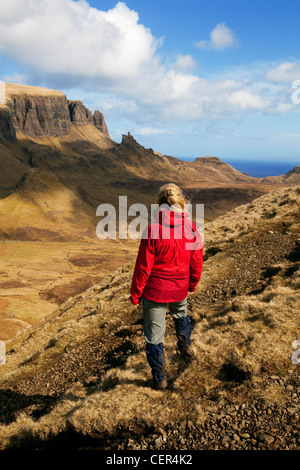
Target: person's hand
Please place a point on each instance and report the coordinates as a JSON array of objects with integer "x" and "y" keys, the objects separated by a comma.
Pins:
[{"x": 134, "y": 302}]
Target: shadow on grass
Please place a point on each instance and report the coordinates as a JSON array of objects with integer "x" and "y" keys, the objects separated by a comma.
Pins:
[{"x": 13, "y": 403}]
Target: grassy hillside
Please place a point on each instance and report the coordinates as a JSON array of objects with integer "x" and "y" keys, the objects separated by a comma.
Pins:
[
  {"x": 79, "y": 379},
  {"x": 46, "y": 207}
]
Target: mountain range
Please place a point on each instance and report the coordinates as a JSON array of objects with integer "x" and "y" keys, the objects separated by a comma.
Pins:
[{"x": 41, "y": 129}]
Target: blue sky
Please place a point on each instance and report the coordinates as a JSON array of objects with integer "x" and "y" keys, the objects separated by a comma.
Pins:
[{"x": 186, "y": 78}]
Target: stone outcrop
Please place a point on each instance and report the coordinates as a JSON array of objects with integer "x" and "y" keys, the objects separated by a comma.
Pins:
[
  {"x": 81, "y": 116},
  {"x": 128, "y": 139},
  {"x": 7, "y": 129},
  {"x": 129, "y": 143},
  {"x": 100, "y": 123},
  {"x": 45, "y": 114}
]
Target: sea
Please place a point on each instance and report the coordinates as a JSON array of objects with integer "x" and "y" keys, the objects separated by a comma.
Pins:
[{"x": 262, "y": 168}]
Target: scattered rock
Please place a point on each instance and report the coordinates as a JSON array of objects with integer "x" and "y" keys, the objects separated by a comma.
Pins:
[{"x": 266, "y": 438}]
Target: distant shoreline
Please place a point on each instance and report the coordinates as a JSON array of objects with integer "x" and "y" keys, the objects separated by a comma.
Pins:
[{"x": 258, "y": 169}]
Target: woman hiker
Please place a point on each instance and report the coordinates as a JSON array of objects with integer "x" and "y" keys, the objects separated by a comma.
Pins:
[{"x": 168, "y": 266}]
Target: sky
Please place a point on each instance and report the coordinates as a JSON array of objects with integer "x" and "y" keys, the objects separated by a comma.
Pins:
[{"x": 187, "y": 78}]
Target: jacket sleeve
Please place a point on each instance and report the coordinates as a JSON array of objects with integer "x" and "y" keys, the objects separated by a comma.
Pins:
[
  {"x": 196, "y": 263},
  {"x": 142, "y": 270}
]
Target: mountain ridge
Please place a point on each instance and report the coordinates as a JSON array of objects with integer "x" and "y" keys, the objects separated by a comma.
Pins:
[{"x": 40, "y": 118}]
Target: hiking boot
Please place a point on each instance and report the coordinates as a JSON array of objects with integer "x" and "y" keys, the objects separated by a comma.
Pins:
[
  {"x": 160, "y": 384},
  {"x": 185, "y": 353},
  {"x": 183, "y": 328}
]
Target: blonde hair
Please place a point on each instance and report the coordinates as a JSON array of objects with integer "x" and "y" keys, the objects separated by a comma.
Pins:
[{"x": 171, "y": 194}]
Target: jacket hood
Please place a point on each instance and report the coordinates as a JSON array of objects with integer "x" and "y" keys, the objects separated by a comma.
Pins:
[{"x": 171, "y": 218}]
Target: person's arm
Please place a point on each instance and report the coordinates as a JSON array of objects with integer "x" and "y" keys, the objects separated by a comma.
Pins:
[
  {"x": 196, "y": 263},
  {"x": 142, "y": 270}
]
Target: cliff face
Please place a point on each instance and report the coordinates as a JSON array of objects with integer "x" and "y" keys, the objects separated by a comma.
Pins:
[
  {"x": 7, "y": 129},
  {"x": 44, "y": 114},
  {"x": 40, "y": 115},
  {"x": 100, "y": 123},
  {"x": 81, "y": 116}
]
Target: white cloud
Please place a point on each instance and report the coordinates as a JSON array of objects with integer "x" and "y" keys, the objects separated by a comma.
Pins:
[
  {"x": 246, "y": 99},
  {"x": 221, "y": 37},
  {"x": 122, "y": 106},
  {"x": 68, "y": 44},
  {"x": 184, "y": 63},
  {"x": 149, "y": 132},
  {"x": 67, "y": 37},
  {"x": 286, "y": 72},
  {"x": 17, "y": 78}
]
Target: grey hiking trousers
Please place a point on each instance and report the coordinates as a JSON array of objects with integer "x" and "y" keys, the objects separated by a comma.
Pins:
[
  {"x": 154, "y": 331},
  {"x": 155, "y": 318}
]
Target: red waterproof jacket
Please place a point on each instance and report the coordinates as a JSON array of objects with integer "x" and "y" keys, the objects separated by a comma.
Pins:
[{"x": 170, "y": 259}]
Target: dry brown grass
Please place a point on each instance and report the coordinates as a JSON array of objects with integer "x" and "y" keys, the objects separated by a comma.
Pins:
[
  {"x": 35, "y": 275},
  {"x": 282, "y": 206},
  {"x": 13, "y": 89},
  {"x": 253, "y": 334},
  {"x": 236, "y": 346}
]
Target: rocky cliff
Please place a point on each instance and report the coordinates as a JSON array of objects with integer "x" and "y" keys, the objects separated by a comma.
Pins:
[
  {"x": 44, "y": 113},
  {"x": 81, "y": 116},
  {"x": 7, "y": 129}
]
